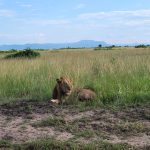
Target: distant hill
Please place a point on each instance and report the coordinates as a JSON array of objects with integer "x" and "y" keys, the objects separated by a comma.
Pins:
[{"x": 82, "y": 43}]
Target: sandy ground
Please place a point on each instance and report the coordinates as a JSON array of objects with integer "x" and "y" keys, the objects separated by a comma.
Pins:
[{"x": 131, "y": 126}]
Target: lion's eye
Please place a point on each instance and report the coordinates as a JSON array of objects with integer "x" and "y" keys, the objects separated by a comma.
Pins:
[{"x": 67, "y": 87}]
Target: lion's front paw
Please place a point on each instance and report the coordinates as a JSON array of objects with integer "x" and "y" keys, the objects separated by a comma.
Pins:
[{"x": 55, "y": 101}]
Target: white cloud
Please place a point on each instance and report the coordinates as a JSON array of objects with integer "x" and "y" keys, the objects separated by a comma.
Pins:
[
  {"x": 22, "y": 4},
  {"x": 6, "y": 13},
  {"x": 101, "y": 15},
  {"x": 128, "y": 18},
  {"x": 112, "y": 26},
  {"x": 45, "y": 22},
  {"x": 26, "y": 5},
  {"x": 137, "y": 23},
  {"x": 80, "y": 6}
]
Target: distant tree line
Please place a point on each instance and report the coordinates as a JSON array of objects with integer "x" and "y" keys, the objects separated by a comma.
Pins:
[
  {"x": 100, "y": 47},
  {"x": 142, "y": 46}
]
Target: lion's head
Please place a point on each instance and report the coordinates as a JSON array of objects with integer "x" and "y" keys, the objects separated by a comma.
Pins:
[{"x": 65, "y": 85}]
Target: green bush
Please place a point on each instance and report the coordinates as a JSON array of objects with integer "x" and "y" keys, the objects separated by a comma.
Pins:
[
  {"x": 100, "y": 47},
  {"x": 27, "y": 53},
  {"x": 141, "y": 46}
]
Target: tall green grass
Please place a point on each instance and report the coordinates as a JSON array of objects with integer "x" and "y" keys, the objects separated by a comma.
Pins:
[{"x": 119, "y": 77}]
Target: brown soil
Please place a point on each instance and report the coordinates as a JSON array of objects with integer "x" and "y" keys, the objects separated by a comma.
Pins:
[{"x": 131, "y": 126}]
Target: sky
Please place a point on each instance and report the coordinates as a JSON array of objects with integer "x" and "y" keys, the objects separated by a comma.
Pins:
[{"x": 59, "y": 21}]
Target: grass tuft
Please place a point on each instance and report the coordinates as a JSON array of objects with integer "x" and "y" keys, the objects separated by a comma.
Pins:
[{"x": 51, "y": 144}]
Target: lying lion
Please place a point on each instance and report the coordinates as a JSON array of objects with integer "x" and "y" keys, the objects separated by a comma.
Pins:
[{"x": 64, "y": 89}]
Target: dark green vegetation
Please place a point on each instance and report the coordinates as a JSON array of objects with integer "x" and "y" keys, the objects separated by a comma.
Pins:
[
  {"x": 27, "y": 53},
  {"x": 142, "y": 46},
  {"x": 105, "y": 48}
]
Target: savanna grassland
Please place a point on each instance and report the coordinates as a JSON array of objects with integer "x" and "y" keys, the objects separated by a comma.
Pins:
[
  {"x": 118, "y": 76},
  {"x": 119, "y": 117}
]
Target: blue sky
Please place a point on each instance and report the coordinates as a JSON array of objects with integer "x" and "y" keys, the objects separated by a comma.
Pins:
[{"x": 52, "y": 21}]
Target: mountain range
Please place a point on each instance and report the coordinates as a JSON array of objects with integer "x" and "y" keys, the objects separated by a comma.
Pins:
[{"x": 79, "y": 44}]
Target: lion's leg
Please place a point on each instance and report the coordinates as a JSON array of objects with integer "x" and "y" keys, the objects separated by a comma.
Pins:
[
  {"x": 56, "y": 96},
  {"x": 55, "y": 101},
  {"x": 55, "y": 93}
]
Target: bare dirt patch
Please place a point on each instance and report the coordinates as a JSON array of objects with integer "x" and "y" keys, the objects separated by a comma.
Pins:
[{"x": 131, "y": 126}]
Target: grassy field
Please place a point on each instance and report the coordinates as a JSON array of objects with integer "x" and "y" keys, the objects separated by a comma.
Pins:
[{"x": 119, "y": 77}]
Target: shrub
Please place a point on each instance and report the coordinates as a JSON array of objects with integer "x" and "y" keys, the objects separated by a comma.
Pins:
[
  {"x": 104, "y": 48},
  {"x": 27, "y": 53},
  {"x": 141, "y": 46}
]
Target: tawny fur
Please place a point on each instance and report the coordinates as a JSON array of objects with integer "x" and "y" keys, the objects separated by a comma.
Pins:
[
  {"x": 85, "y": 95},
  {"x": 64, "y": 89}
]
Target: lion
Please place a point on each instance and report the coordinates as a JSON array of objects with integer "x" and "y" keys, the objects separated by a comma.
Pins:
[
  {"x": 85, "y": 94},
  {"x": 63, "y": 91}
]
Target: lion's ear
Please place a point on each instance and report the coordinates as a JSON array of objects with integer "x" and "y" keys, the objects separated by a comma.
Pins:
[
  {"x": 58, "y": 80},
  {"x": 62, "y": 78}
]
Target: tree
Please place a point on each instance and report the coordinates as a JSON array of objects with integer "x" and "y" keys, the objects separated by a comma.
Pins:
[{"x": 99, "y": 45}]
